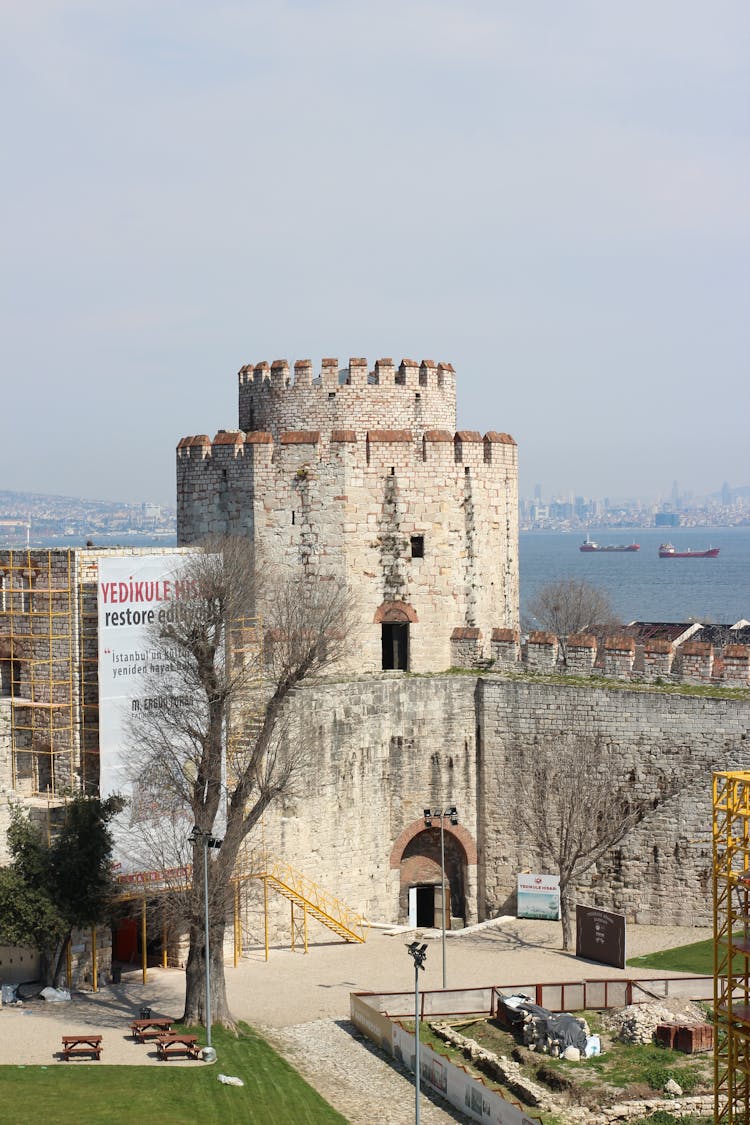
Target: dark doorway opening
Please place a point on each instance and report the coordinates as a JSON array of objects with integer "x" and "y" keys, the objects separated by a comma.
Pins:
[
  {"x": 395, "y": 647},
  {"x": 426, "y": 906}
]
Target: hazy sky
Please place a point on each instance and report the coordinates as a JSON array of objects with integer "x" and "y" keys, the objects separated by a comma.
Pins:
[{"x": 551, "y": 196}]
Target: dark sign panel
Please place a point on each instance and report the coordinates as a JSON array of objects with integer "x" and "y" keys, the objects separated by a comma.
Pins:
[{"x": 600, "y": 936}]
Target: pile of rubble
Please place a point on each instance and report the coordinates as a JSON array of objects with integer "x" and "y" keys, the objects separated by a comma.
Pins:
[{"x": 638, "y": 1022}]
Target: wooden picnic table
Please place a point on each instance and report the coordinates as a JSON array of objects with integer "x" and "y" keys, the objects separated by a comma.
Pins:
[
  {"x": 151, "y": 1028},
  {"x": 81, "y": 1045},
  {"x": 168, "y": 1045}
]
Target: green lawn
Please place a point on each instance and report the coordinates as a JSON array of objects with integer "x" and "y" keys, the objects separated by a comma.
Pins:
[
  {"x": 97, "y": 1094},
  {"x": 697, "y": 958}
]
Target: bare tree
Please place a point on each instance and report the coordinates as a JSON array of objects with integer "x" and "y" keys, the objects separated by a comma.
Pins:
[
  {"x": 577, "y": 803},
  {"x": 211, "y": 698},
  {"x": 570, "y": 606}
]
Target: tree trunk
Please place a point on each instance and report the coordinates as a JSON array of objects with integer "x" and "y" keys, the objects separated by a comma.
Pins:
[
  {"x": 195, "y": 978},
  {"x": 60, "y": 963},
  {"x": 565, "y": 915}
]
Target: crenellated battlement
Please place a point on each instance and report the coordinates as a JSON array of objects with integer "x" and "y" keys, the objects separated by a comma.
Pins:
[
  {"x": 360, "y": 473},
  {"x": 617, "y": 657},
  {"x": 277, "y": 397},
  {"x": 463, "y": 447}
]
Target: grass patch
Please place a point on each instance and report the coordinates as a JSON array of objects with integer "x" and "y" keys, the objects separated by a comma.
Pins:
[
  {"x": 69, "y": 1093},
  {"x": 696, "y": 958},
  {"x": 704, "y": 691},
  {"x": 622, "y": 1072}
]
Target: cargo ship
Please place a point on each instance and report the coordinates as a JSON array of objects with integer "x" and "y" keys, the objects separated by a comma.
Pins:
[
  {"x": 590, "y": 546},
  {"x": 667, "y": 551}
]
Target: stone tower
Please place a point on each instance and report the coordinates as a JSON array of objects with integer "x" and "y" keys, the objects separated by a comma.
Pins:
[{"x": 361, "y": 475}]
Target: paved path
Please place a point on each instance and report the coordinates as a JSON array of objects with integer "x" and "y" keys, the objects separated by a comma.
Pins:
[{"x": 301, "y": 1003}]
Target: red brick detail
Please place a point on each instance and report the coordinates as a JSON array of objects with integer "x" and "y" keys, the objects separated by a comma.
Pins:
[
  {"x": 658, "y": 646},
  {"x": 620, "y": 644},
  {"x": 330, "y": 362},
  {"x": 696, "y": 648},
  {"x": 200, "y": 439},
  {"x": 507, "y": 636},
  {"x": 541, "y": 638},
  {"x": 736, "y": 652},
  {"x": 465, "y": 633},
  {"x": 501, "y": 439},
  {"x": 388, "y": 435},
  {"x": 459, "y": 833},
  {"x": 343, "y": 435},
  {"x": 395, "y": 613},
  {"x": 300, "y": 437},
  {"x": 468, "y": 435},
  {"x": 438, "y": 435},
  {"x": 298, "y": 363},
  {"x": 582, "y": 640},
  {"x": 428, "y": 363},
  {"x": 258, "y": 437},
  {"x": 229, "y": 437},
  {"x": 341, "y": 497}
]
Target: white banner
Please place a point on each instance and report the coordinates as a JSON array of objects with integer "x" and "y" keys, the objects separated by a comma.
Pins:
[{"x": 136, "y": 594}]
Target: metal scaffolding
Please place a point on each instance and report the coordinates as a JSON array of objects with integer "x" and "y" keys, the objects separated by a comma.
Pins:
[
  {"x": 731, "y": 865},
  {"x": 38, "y": 652}
]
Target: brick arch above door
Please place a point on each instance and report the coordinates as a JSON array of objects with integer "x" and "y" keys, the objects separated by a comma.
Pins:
[
  {"x": 395, "y": 613},
  {"x": 459, "y": 833}
]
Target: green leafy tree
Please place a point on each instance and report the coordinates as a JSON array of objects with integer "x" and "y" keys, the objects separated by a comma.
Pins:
[
  {"x": 55, "y": 887},
  {"x": 28, "y": 917}
]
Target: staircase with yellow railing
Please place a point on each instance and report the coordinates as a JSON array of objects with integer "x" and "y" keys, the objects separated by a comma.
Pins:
[{"x": 306, "y": 895}]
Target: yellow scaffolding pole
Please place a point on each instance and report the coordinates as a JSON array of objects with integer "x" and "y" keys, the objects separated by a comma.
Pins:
[{"x": 731, "y": 908}]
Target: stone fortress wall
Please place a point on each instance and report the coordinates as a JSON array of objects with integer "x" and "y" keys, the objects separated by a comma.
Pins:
[
  {"x": 418, "y": 521},
  {"x": 384, "y": 747},
  {"x": 619, "y": 657}
]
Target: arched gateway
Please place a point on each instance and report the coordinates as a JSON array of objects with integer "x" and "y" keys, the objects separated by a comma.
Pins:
[{"x": 416, "y": 854}]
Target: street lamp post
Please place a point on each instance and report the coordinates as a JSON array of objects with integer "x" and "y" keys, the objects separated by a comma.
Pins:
[
  {"x": 419, "y": 953},
  {"x": 440, "y": 814},
  {"x": 198, "y": 836}
]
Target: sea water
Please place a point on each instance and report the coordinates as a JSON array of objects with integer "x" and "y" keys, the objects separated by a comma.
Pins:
[{"x": 640, "y": 585}]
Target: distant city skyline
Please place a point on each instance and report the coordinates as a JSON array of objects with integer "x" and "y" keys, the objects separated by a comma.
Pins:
[{"x": 553, "y": 198}]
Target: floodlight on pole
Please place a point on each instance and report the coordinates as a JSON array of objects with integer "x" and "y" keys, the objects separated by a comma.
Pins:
[
  {"x": 451, "y": 813},
  {"x": 198, "y": 836},
  {"x": 419, "y": 953}
]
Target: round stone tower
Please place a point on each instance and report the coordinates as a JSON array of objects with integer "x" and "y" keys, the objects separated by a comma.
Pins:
[
  {"x": 413, "y": 396},
  {"x": 361, "y": 475}
]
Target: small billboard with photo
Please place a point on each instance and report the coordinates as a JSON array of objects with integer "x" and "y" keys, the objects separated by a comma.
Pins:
[{"x": 538, "y": 897}]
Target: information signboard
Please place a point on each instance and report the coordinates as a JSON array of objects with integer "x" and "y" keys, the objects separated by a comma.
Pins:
[
  {"x": 600, "y": 936},
  {"x": 538, "y": 896}
]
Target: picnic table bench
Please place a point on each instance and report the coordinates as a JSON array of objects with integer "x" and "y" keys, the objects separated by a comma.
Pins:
[
  {"x": 168, "y": 1045},
  {"x": 81, "y": 1045},
  {"x": 150, "y": 1028}
]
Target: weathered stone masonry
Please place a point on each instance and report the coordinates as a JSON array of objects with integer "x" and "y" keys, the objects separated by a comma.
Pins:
[
  {"x": 417, "y": 520},
  {"x": 383, "y": 747}
]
